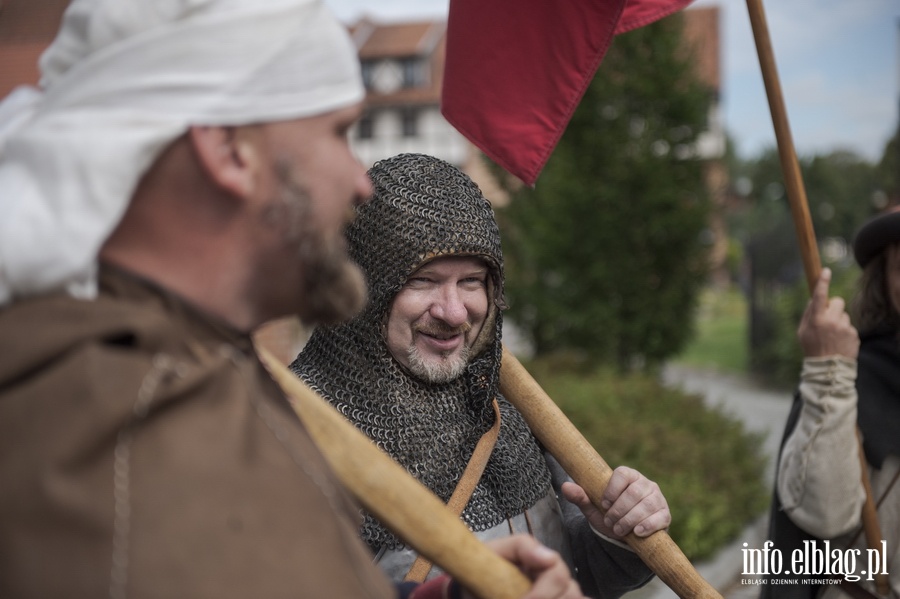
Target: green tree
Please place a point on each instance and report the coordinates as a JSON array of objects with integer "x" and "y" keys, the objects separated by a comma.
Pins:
[
  {"x": 605, "y": 255},
  {"x": 841, "y": 188},
  {"x": 843, "y": 191},
  {"x": 888, "y": 170}
]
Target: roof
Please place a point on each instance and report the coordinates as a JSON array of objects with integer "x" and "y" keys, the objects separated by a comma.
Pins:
[
  {"x": 426, "y": 39},
  {"x": 422, "y": 39},
  {"x": 398, "y": 39}
]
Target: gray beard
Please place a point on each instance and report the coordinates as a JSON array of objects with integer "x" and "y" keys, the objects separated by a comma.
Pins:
[{"x": 443, "y": 371}]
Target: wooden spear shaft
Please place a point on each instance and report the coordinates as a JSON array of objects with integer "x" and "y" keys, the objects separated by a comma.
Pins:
[
  {"x": 397, "y": 499},
  {"x": 809, "y": 250},
  {"x": 582, "y": 462},
  {"x": 414, "y": 513},
  {"x": 806, "y": 237}
]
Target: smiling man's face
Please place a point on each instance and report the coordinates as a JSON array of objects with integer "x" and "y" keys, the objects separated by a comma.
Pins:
[{"x": 437, "y": 315}]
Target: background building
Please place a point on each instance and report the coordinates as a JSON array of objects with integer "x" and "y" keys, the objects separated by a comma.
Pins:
[{"x": 403, "y": 66}]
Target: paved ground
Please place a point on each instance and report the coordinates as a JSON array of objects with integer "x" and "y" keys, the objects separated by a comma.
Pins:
[{"x": 762, "y": 410}]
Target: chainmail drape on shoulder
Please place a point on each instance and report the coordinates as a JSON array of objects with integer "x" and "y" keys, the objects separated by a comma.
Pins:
[{"x": 424, "y": 208}]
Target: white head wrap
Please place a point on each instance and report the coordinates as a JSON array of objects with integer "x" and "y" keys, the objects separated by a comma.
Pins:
[{"x": 121, "y": 81}]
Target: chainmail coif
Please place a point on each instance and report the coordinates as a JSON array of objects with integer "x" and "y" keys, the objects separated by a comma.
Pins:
[{"x": 425, "y": 208}]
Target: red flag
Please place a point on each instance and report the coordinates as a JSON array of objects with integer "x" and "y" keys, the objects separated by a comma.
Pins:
[{"x": 515, "y": 71}]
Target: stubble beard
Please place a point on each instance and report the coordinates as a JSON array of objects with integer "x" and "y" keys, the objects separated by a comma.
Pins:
[{"x": 333, "y": 286}]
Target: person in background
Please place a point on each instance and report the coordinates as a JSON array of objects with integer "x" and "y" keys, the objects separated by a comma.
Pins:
[{"x": 849, "y": 381}]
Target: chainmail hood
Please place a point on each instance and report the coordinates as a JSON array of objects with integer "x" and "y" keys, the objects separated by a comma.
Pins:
[{"x": 424, "y": 208}]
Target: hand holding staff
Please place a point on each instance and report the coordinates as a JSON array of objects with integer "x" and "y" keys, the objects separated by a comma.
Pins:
[
  {"x": 588, "y": 469},
  {"x": 396, "y": 498},
  {"x": 416, "y": 514},
  {"x": 809, "y": 250}
]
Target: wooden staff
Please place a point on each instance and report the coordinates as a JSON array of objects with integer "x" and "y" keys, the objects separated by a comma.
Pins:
[
  {"x": 422, "y": 520},
  {"x": 806, "y": 237},
  {"x": 582, "y": 462},
  {"x": 397, "y": 499},
  {"x": 809, "y": 250}
]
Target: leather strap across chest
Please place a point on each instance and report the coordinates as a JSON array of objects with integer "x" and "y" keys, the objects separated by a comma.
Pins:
[{"x": 464, "y": 488}]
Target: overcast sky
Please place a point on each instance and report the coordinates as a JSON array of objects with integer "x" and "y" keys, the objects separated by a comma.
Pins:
[{"x": 838, "y": 62}]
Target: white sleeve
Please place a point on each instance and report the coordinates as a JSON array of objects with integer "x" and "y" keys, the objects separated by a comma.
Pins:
[{"x": 819, "y": 472}]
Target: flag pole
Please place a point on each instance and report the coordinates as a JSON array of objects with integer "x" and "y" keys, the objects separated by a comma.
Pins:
[{"x": 806, "y": 237}]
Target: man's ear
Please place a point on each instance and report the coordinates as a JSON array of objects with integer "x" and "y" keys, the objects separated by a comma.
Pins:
[{"x": 228, "y": 156}]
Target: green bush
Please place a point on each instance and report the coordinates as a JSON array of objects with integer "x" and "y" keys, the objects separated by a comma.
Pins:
[
  {"x": 778, "y": 359},
  {"x": 708, "y": 467},
  {"x": 721, "y": 340}
]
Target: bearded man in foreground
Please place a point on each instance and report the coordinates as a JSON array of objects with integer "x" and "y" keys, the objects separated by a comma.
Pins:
[{"x": 182, "y": 176}]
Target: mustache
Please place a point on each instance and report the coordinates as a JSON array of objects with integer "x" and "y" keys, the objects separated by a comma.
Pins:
[{"x": 437, "y": 328}]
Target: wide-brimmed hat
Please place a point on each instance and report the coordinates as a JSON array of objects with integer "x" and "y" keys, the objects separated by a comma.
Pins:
[{"x": 874, "y": 235}]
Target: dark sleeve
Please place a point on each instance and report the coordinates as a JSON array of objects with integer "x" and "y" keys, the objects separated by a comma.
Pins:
[{"x": 603, "y": 569}]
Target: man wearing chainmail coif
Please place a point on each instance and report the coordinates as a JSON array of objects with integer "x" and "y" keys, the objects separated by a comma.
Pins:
[{"x": 418, "y": 372}]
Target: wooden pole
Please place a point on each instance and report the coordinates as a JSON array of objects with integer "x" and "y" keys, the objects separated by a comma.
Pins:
[
  {"x": 582, "y": 462},
  {"x": 397, "y": 499},
  {"x": 809, "y": 250},
  {"x": 871, "y": 525},
  {"x": 806, "y": 237}
]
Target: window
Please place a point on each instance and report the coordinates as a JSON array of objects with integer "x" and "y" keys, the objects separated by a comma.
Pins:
[
  {"x": 410, "y": 117},
  {"x": 413, "y": 73},
  {"x": 366, "y": 67},
  {"x": 365, "y": 128}
]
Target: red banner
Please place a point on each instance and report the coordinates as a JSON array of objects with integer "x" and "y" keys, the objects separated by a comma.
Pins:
[{"x": 515, "y": 71}]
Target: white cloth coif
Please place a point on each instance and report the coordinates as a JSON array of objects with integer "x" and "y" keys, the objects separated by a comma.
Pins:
[{"x": 122, "y": 80}]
